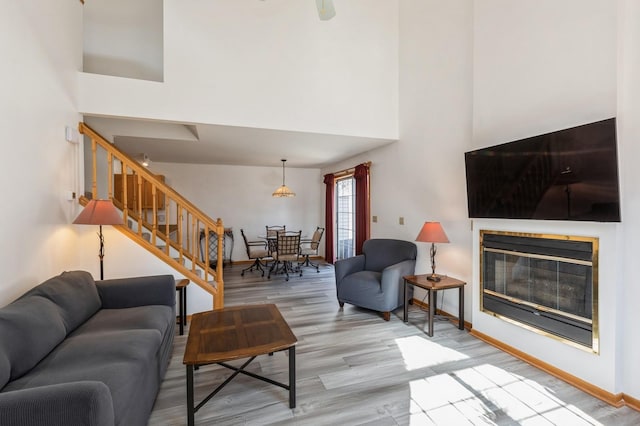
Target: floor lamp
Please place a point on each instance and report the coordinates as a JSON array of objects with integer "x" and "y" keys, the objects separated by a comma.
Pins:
[
  {"x": 432, "y": 232},
  {"x": 99, "y": 212}
]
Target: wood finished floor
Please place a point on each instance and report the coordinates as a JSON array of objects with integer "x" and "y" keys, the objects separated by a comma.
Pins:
[{"x": 353, "y": 368}]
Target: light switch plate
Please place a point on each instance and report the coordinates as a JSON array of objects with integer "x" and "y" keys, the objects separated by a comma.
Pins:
[
  {"x": 401, "y": 220},
  {"x": 374, "y": 219}
]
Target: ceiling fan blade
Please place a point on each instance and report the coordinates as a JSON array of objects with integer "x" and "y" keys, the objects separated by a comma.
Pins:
[{"x": 326, "y": 10}]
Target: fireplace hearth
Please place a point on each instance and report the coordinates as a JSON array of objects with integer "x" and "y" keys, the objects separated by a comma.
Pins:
[{"x": 546, "y": 283}]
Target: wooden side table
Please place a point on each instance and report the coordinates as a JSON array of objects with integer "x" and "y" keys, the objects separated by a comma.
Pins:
[
  {"x": 181, "y": 288},
  {"x": 432, "y": 287}
]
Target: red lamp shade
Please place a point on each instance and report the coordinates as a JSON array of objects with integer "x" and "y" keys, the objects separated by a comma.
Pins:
[
  {"x": 432, "y": 232},
  {"x": 99, "y": 212}
]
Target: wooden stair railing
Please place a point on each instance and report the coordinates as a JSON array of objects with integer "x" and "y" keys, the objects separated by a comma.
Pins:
[{"x": 156, "y": 216}]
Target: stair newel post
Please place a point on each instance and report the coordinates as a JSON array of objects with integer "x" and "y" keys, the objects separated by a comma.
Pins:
[{"x": 218, "y": 299}]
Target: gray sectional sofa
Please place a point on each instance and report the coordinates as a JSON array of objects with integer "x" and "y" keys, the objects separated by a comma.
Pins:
[{"x": 78, "y": 352}]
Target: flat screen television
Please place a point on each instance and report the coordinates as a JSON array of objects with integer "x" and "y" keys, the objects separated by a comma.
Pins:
[{"x": 569, "y": 174}]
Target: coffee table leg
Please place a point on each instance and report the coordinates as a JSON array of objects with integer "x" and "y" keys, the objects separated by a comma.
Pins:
[
  {"x": 292, "y": 377},
  {"x": 432, "y": 310},
  {"x": 190, "y": 407}
]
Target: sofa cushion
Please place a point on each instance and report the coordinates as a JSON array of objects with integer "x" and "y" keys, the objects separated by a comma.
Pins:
[
  {"x": 76, "y": 295},
  {"x": 126, "y": 359},
  {"x": 152, "y": 317},
  {"x": 30, "y": 328}
]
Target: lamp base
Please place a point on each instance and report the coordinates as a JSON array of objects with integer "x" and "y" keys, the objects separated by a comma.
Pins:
[{"x": 434, "y": 278}]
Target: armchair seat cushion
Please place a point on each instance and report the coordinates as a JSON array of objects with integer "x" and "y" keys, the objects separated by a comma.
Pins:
[{"x": 353, "y": 285}]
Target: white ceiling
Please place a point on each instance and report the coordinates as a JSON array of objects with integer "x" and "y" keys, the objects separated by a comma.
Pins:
[{"x": 216, "y": 144}]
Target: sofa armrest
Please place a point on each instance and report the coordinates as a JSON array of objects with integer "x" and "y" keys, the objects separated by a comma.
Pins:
[
  {"x": 348, "y": 266},
  {"x": 392, "y": 275},
  {"x": 86, "y": 403},
  {"x": 137, "y": 291}
]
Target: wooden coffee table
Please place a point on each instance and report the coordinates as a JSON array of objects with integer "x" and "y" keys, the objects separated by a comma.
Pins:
[{"x": 234, "y": 333}]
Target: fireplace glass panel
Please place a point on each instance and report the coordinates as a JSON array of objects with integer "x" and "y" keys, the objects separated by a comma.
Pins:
[{"x": 554, "y": 284}]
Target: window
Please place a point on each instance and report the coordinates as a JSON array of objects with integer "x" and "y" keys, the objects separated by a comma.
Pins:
[{"x": 345, "y": 217}]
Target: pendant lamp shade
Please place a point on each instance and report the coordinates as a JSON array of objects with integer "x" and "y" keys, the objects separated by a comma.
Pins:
[{"x": 283, "y": 190}]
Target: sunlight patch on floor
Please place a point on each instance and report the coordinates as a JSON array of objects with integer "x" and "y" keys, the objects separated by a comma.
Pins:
[
  {"x": 419, "y": 352},
  {"x": 488, "y": 395}
]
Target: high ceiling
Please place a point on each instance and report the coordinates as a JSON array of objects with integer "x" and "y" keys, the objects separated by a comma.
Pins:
[{"x": 216, "y": 144}]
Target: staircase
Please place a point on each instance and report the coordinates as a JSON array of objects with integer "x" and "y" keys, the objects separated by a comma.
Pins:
[{"x": 156, "y": 216}]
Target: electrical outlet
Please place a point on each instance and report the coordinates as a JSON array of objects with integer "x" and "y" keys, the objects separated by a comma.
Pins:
[
  {"x": 374, "y": 219},
  {"x": 401, "y": 220}
]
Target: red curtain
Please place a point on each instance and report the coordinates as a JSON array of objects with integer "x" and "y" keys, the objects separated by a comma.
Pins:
[
  {"x": 361, "y": 175},
  {"x": 329, "y": 181}
]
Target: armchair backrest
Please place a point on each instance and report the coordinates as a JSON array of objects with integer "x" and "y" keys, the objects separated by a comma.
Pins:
[{"x": 380, "y": 253}]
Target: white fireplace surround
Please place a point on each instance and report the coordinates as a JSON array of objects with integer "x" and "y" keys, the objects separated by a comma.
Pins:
[{"x": 598, "y": 369}]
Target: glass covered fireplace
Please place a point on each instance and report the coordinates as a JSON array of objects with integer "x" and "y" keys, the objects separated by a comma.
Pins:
[{"x": 546, "y": 283}]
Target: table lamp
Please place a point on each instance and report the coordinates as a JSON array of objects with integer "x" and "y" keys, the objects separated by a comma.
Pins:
[
  {"x": 432, "y": 232},
  {"x": 99, "y": 212}
]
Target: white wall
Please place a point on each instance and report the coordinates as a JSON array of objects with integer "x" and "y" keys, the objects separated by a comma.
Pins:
[
  {"x": 421, "y": 178},
  {"x": 539, "y": 66},
  {"x": 241, "y": 197},
  {"x": 270, "y": 64},
  {"x": 41, "y": 54},
  {"x": 629, "y": 135},
  {"x": 123, "y": 38}
]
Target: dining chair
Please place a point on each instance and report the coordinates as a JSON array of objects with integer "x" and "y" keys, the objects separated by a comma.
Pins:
[
  {"x": 256, "y": 251},
  {"x": 272, "y": 235},
  {"x": 310, "y": 248},
  {"x": 288, "y": 251}
]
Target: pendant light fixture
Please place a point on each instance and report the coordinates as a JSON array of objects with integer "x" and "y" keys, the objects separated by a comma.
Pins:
[{"x": 283, "y": 191}]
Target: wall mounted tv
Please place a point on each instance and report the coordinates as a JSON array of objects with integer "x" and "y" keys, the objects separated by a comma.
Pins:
[{"x": 570, "y": 174}]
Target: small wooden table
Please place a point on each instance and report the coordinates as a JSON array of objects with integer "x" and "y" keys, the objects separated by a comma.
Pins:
[
  {"x": 234, "y": 333},
  {"x": 432, "y": 287},
  {"x": 181, "y": 288}
]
